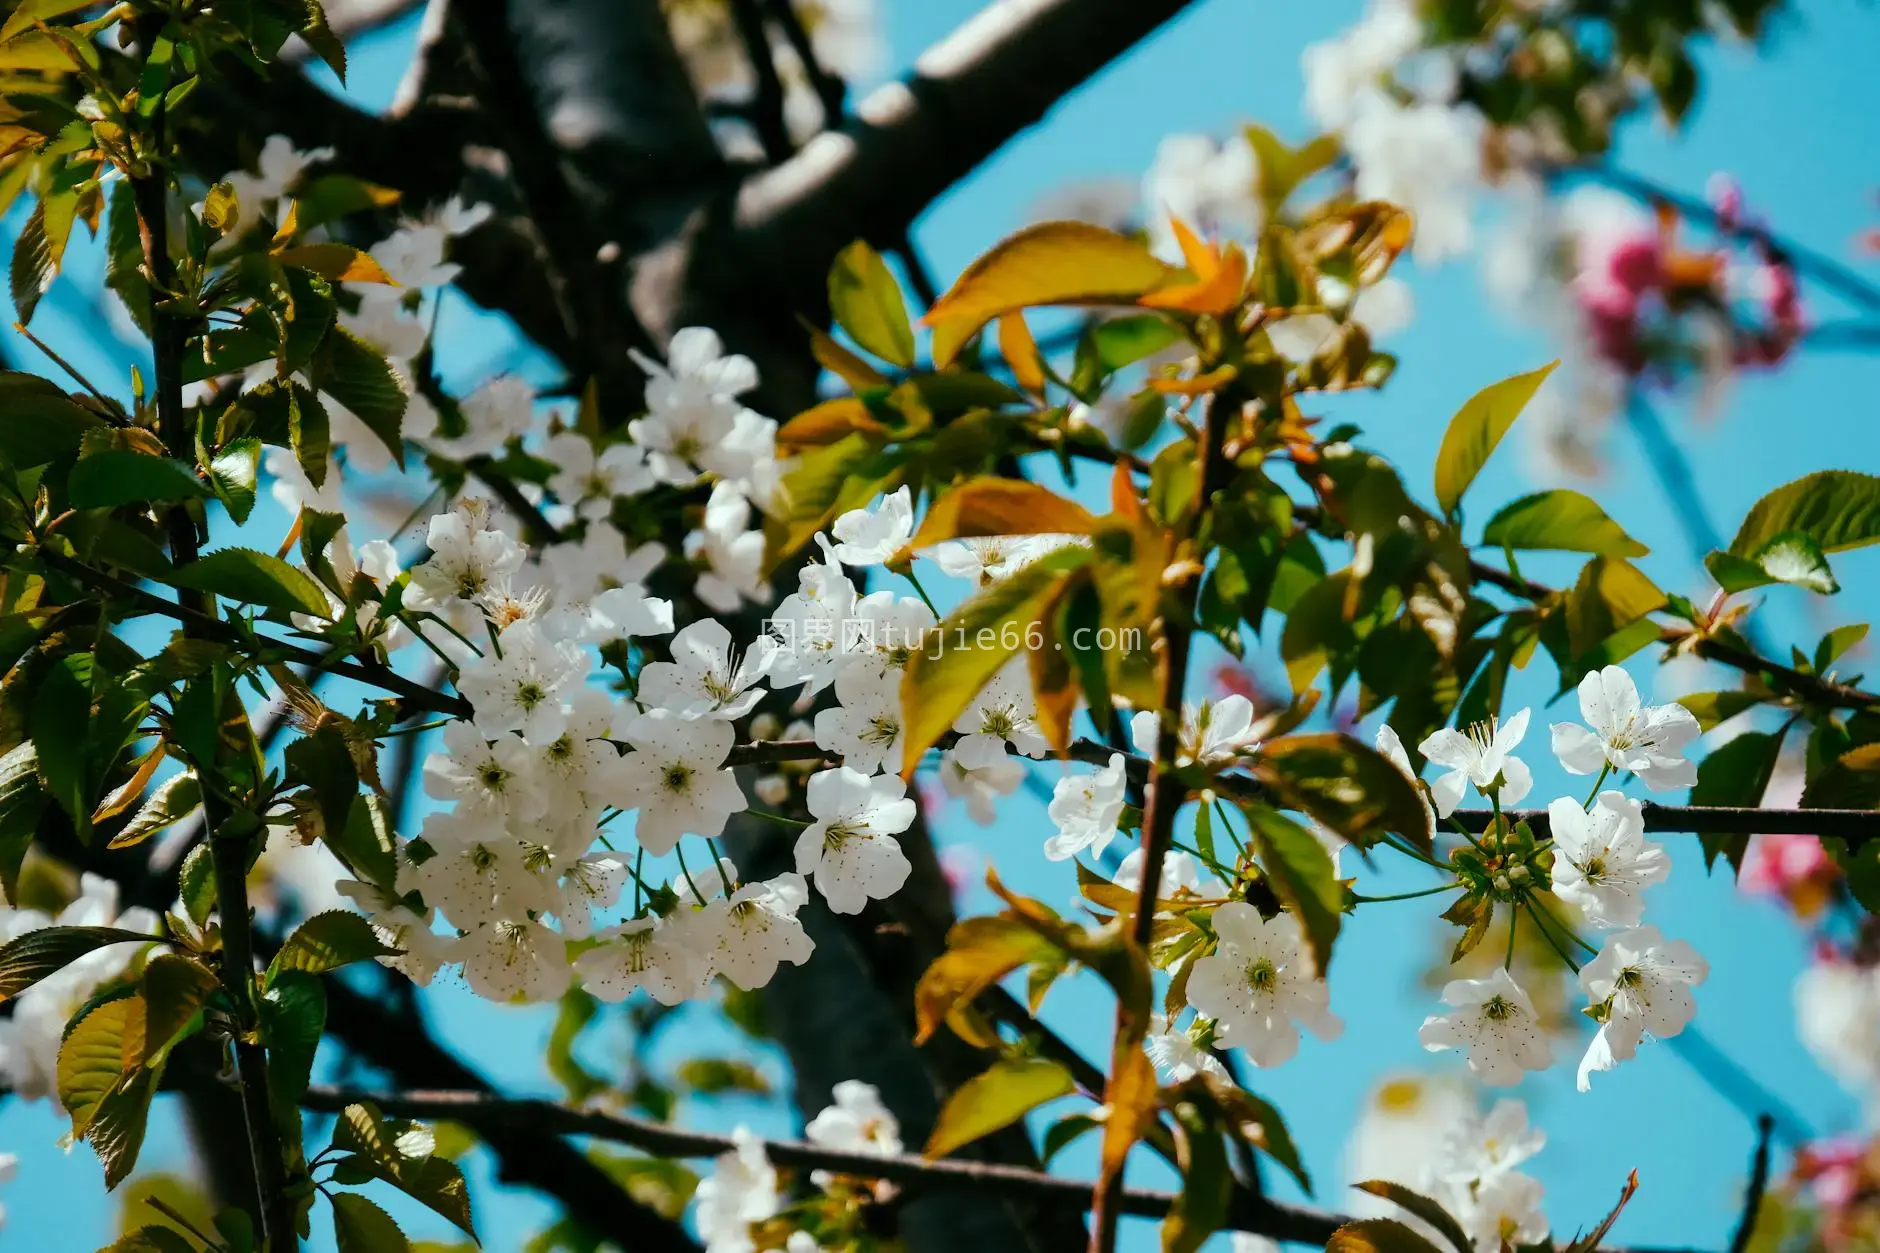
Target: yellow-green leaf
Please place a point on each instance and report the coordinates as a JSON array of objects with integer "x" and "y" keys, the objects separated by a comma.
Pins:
[
  {"x": 254, "y": 578},
  {"x": 91, "y": 1060},
  {"x": 995, "y": 506},
  {"x": 342, "y": 263},
  {"x": 1052, "y": 263},
  {"x": 175, "y": 987},
  {"x": 973, "y": 642},
  {"x": 1423, "y": 1207},
  {"x": 360, "y": 1226},
  {"x": 31, "y": 957},
  {"x": 1563, "y": 520},
  {"x": 1351, "y": 788},
  {"x": 980, "y": 952},
  {"x": 1377, "y": 1235},
  {"x": 998, "y": 1098},
  {"x": 326, "y": 942},
  {"x": 867, "y": 303},
  {"x": 1477, "y": 428},
  {"x": 1837, "y": 509},
  {"x": 174, "y": 799}
]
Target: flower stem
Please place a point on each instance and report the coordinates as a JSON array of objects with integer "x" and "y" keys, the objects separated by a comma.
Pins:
[
  {"x": 1514, "y": 921},
  {"x": 1405, "y": 896},
  {"x": 721, "y": 862},
  {"x": 1604, "y": 770},
  {"x": 1565, "y": 930},
  {"x": 686, "y": 871},
  {"x": 1205, "y": 860},
  {"x": 1552, "y": 943},
  {"x": 639, "y": 865},
  {"x": 921, "y": 591},
  {"x": 782, "y": 819}
]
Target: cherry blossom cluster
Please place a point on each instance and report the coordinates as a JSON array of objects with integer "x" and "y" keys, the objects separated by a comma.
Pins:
[
  {"x": 1638, "y": 982},
  {"x": 743, "y": 1189}
]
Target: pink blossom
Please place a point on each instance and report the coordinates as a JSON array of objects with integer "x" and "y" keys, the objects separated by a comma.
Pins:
[
  {"x": 1833, "y": 1167},
  {"x": 1793, "y": 867}
]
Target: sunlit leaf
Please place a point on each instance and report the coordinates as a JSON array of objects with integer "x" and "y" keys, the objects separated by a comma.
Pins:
[
  {"x": 867, "y": 303},
  {"x": 1560, "y": 519},
  {"x": 1477, "y": 428},
  {"x": 997, "y": 1098}
]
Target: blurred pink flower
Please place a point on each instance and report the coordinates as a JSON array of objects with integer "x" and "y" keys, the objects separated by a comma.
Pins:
[
  {"x": 1793, "y": 867},
  {"x": 1833, "y": 1168}
]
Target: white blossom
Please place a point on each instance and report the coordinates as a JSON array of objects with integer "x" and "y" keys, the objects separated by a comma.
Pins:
[
  {"x": 741, "y": 1190},
  {"x": 988, "y": 558},
  {"x": 850, "y": 850},
  {"x": 1392, "y": 748},
  {"x": 759, "y": 930},
  {"x": 383, "y": 321},
  {"x": 857, "y": 1121},
  {"x": 865, "y": 727},
  {"x": 692, "y": 411},
  {"x": 869, "y": 536},
  {"x": 707, "y": 677},
  {"x": 812, "y": 623},
  {"x": 980, "y": 786},
  {"x": 588, "y": 480},
  {"x": 731, "y": 555},
  {"x": 1001, "y": 713},
  {"x": 413, "y": 256},
  {"x": 1644, "y": 982},
  {"x": 464, "y": 564},
  {"x": 1086, "y": 809},
  {"x": 1486, "y": 1146},
  {"x": 651, "y": 953},
  {"x": 1504, "y": 1211},
  {"x": 1494, "y": 1020},
  {"x": 1648, "y": 740},
  {"x": 1260, "y": 985},
  {"x": 676, "y": 779},
  {"x": 523, "y": 687},
  {"x": 1175, "y": 1053},
  {"x": 515, "y": 960},
  {"x": 496, "y": 778},
  {"x": 1482, "y": 755},
  {"x": 1216, "y": 733},
  {"x": 1603, "y": 863},
  {"x": 278, "y": 167},
  {"x": 1180, "y": 873}
]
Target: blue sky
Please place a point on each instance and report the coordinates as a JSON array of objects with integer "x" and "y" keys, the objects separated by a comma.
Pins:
[{"x": 1792, "y": 127}]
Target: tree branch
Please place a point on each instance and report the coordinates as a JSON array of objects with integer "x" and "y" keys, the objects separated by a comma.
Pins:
[
  {"x": 484, "y": 1113},
  {"x": 766, "y": 111},
  {"x": 911, "y": 140},
  {"x": 1758, "y": 1184}
]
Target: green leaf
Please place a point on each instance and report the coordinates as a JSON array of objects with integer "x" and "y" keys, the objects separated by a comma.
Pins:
[
  {"x": 91, "y": 1058},
  {"x": 714, "y": 1076},
  {"x": 173, "y": 800},
  {"x": 1300, "y": 872},
  {"x": 112, "y": 477},
  {"x": 340, "y": 263},
  {"x": 1735, "y": 774},
  {"x": 1837, "y": 509},
  {"x": 1259, "y": 1124},
  {"x": 1121, "y": 342},
  {"x": 1423, "y": 1207},
  {"x": 1791, "y": 557},
  {"x": 174, "y": 989},
  {"x": 31, "y": 11},
  {"x": 117, "y": 1126},
  {"x": 293, "y": 1014},
  {"x": 321, "y": 37},
  {"x": 253, "y": 578},
  {"x": 22, "y": 801},
  {"x": 1282, "y": 168},
  {"x": 233, "y": 473},
  {"x": 1560, "y": 520},
  {"x": 1377, "y": 1235},
  {"x": 197, "y": 884},
  {"x": 1348, "y": 786},
  {"x": 867, "y": 303},
  {"x": 357, "y": 375},
  {"x": 1477, "y": 428},
  {"x": 980, "y": 636},
  {"x": 1610, "y": 595},
  {"x": 1207, "y": 1192},
  {"x": 61, "y": 709},
  {"x": 33, "y": 956},
  {"x": 33, "y": 267},
  {"x": 1062, "y": 1133},
  {"x": 1714, "y": 708},
  {"x": 401, "y": 1153},
  {"x": 326, "y": 942},
  {"x": 1001, "y": 1096},
  {"x": 1837, "y": 642},
  {"x": 1850, "y": 781},
  {"x": 38, "y": 422},
  {"x": 362, "y": 1227},
  {"x": 221, "y": 209},
  {"x": 323, "y": 763}
]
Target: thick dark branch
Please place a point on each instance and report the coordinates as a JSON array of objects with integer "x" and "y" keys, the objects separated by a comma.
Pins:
[
  {"x": 911, "y": 140},
  {"x": 982, "y": 1181},
  {"x": 829, "y": 89},
  {"x": 766, "y": 111},
  {"x": 1856, "y": 826},
  {"x": 484, "y": 1113}
]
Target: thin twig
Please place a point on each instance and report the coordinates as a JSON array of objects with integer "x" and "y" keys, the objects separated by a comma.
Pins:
[
  {"x": 1758, "y": 1184},
  {"x": 829, "y": 88}
]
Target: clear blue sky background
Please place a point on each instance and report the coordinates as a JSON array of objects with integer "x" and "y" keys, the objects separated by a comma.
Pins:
[{"x": 1794, "y": 127}]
